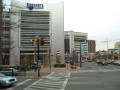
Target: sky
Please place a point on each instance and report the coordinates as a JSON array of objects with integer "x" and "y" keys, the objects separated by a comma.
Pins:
[{"x": 99, "y": 18}]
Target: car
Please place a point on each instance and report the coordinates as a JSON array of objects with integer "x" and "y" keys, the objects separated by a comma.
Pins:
[
  {"x": 7, "y": 80},
  {"x": 116, "y": 62},
  {"x": 9, "y": 71},
  {"x": 109, "y": 61},
  {"x": 102, "y": 62}
]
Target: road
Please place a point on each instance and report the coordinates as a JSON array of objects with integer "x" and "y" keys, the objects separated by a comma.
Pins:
[
  {"x": 95, "y": 77},
  {"x": 54, "y": 81},
  {"x": 90, "y": 77}
]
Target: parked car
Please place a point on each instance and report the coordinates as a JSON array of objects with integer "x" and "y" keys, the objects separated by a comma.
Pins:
[
  {"x": 102, "y": 62},
  {"x": 109, "y": 61},
  {"x": 9, "y": 71},
  {"x": 7, "y": 80},
  {"x": 116, "y": 62}
]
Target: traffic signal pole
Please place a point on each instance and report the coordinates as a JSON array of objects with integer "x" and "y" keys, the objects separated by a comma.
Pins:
[
  {"x": 38, "y": 61},
  {"x": 36, "y": 41}
]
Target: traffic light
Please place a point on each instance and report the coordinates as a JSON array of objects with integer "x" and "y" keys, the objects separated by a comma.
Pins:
[
  {"x": 42, "y": 41},
  {"x": 34, "y": 41}
]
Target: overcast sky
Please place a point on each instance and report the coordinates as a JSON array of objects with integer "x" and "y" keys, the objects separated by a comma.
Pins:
[{"x": 99, "y": 18}]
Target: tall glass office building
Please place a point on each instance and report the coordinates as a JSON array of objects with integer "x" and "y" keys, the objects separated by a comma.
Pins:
[{"x": 30, "y": 20}]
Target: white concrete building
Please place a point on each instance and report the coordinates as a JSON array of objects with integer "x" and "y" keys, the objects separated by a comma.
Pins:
[
  {"x": 117, "y": 45},
  {"x": 75, "y": 39},
  {"x": 29, "y": 20}
]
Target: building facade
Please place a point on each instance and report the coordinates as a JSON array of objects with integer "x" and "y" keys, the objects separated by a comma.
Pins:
[
  {"x": 4, "y": 32},
  {"x": 91, "y": 46},
  {"x": 117, "y": 45},
  {"x": 74, "y": 41},
  {"x": 43, "y": 20},
  {"x": 1, "y": 11}
]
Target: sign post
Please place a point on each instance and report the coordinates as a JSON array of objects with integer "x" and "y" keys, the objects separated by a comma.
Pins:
[{"x": 81, "y": 49}]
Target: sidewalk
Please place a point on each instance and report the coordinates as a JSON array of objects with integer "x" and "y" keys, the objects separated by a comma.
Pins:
[{"x": 44, "y": 71}]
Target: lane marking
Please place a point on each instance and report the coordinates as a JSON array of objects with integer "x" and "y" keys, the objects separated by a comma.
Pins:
[
  {"x": 49, "y": 76},
  {"x": 18, "y": 84},
  {"x": 23, "y": 82},
  {"x": 65, "y": 82},
  {"x": 28, "y": 88},
  {"x": 41, "y": 88},
  {"x": 43, "y": 84},
  {"x": 50, "y": 86},
  {"x": 50, "y": 83}
]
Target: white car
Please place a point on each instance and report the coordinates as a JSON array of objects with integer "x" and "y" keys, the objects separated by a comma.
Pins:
[{"x": 7, "y": 80}]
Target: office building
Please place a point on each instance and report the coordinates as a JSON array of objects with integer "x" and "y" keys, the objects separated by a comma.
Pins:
[
  {"x": 30, "y": 20},
  {"x": 117, "y": 45},
  {"x": 91, "y": 46},
  {"x": 73, "y": 41},
  {"x": 4, "y": 32}
]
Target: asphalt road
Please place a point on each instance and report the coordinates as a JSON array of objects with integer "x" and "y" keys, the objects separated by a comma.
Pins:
[
  {"x": 95, "y": 77},
  {"x": 90, "y": 77},
  {"x": 20, "y": 85},
  {"x": 24, "y": 81},
  {"x": 53, "y": 81}
]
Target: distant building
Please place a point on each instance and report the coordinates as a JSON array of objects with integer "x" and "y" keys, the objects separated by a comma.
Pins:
[
  {"x": 73, "y": 40},
  {"x": 91, "y": 46},
  {"x": 117, "y": 45}
]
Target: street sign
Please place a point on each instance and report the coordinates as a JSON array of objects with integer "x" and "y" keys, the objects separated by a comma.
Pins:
[{"x": 81, "y": 47}]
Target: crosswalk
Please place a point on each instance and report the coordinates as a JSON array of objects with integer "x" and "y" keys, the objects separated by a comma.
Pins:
[
  {"x": 54, "y": 81},
  {"x": 19, "y": 84}
]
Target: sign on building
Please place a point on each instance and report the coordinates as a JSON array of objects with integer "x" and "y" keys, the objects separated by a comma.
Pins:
[{"x": 35, "y": 6}]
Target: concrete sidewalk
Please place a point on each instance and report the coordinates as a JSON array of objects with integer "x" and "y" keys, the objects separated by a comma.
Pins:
[{"x": 44, "y": 71}]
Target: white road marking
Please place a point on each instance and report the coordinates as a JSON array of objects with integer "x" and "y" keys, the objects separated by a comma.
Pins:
[
  {"x": 38, "y": 88},
  {"x": 50, "y": 75},
  {"x": 27, "y": 88},
  {"x": 65, "y": 82},
  {"x": 54, "y": 81},
  {"x": 23, "y": 82},
  {"x": 18, "y": 84}
]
